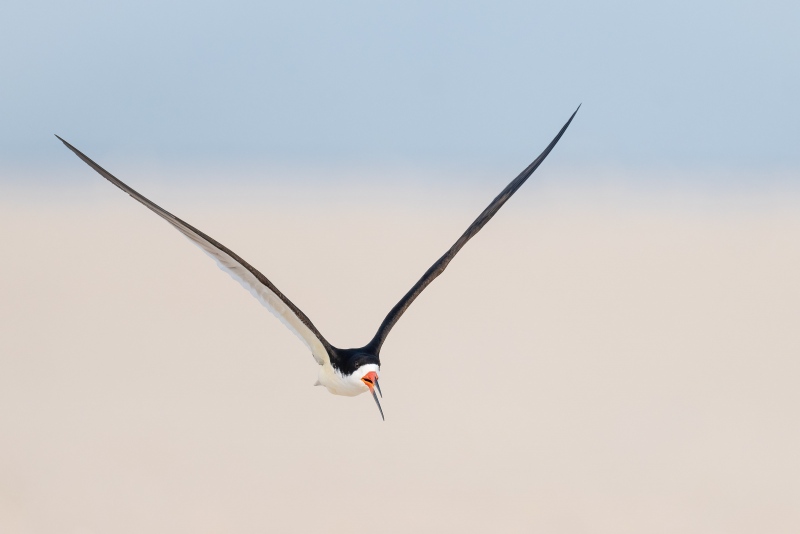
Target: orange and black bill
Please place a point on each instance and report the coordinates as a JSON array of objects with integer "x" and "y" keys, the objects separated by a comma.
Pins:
[{"x": 371, "y": 381}]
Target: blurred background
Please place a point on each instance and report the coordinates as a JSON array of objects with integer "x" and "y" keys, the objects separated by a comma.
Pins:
[{"x": 617, "y": 351}]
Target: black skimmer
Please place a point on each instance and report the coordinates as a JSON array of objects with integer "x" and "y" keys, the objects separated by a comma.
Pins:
[{"x": 347, "y": 372}]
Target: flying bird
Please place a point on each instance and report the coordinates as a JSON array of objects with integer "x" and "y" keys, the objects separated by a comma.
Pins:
[{"x": 348, "y": 372}]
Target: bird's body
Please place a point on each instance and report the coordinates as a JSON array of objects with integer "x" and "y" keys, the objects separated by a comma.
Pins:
[{"x": 347, "y": 372}]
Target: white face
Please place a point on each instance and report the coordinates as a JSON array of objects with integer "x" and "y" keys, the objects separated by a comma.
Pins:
[
  {"x": 355, "y": 383},
  {"x": 363, "y": 379},
  {"x": 362, "y": 371},
  {"x": 346, "y": 385}
]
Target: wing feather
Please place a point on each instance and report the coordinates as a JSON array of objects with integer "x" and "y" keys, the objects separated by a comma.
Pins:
[
  {"x": 249, "y": 277},
  {"x": 441, "y": 264}
]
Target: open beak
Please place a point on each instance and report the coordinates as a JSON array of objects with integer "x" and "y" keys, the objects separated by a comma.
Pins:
[{"x": 371, "y": 381}]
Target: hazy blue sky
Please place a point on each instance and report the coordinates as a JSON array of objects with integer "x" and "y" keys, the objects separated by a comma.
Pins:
[{"x": 663, "y": 84}]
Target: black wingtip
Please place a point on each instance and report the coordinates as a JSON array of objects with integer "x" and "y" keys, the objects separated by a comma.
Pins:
[
  {"x": 574, "y": 113},
  {"x": 69, "y": 146}
]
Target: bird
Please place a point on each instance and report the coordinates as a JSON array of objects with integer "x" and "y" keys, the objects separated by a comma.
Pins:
[{"x": 348, "y": 372}]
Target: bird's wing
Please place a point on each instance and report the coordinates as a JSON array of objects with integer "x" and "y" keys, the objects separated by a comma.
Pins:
[
  {"x": 247, "y": 275},
  {"x": 438, "y": 268}
]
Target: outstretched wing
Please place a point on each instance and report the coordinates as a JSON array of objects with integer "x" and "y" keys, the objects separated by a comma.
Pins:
[
  {"x": 247, "y": 275},
  {"x": 439, "y": 267}
]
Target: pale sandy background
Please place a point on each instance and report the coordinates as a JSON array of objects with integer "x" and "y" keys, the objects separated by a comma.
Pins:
[
  {"x": 617, "y": 352},
  {"x": 601, "y": 358}
]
